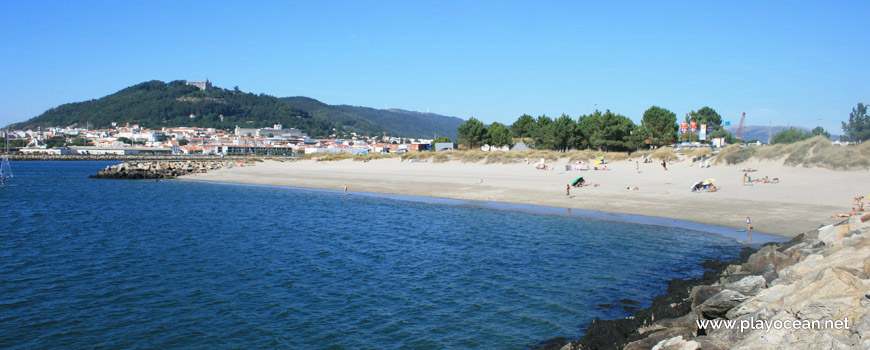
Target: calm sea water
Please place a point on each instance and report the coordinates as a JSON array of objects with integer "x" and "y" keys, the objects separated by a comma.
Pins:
[{"x": 88, "y": 263}]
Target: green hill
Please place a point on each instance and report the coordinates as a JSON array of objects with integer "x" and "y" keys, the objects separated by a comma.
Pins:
[
  {"x": 155, "y": 104},
  {"x": 371, "y": 121}
]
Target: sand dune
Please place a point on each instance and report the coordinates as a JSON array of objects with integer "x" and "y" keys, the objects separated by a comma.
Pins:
[{"x": 802, "y": 201}]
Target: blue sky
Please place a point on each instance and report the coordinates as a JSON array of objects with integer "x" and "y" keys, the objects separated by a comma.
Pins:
[{"x": 789, "y": 62}]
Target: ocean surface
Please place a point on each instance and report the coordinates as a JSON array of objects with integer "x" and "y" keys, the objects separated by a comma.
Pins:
[{"x": 88, "y": 263}]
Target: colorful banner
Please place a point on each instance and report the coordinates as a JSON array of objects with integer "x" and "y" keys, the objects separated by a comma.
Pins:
[
  {"x": 683, "y": 127},
  {"x": 693, "y": 126},
  {"x": 703, "y": 134}
]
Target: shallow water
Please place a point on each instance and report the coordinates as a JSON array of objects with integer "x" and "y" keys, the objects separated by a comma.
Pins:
[{"x": 128, "y": 264}]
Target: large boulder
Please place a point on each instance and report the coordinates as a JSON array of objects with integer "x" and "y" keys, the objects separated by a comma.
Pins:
[
  {"x": 700, "y": 294},
  {"x": 834, "y": 293},
  {"x": 656, "y": 338},
  {"x": 767, "y": 256},
  {"x": 748, "y": 286},
  {"x": 676, "y": 343},
  {"x": 719, "y": 304},
  {"x": 770, "y": 298}
]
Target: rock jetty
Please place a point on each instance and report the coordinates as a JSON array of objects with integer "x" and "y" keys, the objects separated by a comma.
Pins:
[
  {"x": 160, "y": 169},
  {"x": 812, "y": 292}
]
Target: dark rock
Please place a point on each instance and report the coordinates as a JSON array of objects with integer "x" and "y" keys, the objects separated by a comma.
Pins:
[
  {"x": 156, "y": 170},
  {"x": 793, "y": 242},
  {"x": 615, "y": 334},
  {"x": 549, "y": 344},
  {"x": 700, "y": 294},
  {"x": 719, "y": 304},
  {"x": 715, "y": 264},
  {"x": 610, "y": 334}
]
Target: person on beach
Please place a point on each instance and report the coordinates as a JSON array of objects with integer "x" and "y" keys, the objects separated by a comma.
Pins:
[
  {"x": 665, "y": 165},
  {"x": 568, "y": 191},
  {"x": 749, "y": 227},
  {"x": 345, "y": 190},
  {"x": 637, "y": 166}
]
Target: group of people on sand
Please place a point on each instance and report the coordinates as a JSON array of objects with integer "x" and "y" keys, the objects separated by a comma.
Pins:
[{"x": 857, "y": 208}]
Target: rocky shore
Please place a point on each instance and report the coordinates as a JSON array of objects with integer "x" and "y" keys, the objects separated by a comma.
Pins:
[
  {"x": 763, "y": 300},
  {"x": 161, "y": 169}
]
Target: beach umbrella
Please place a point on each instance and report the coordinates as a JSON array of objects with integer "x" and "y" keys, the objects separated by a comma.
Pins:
[{"x": 709, "y": 181}]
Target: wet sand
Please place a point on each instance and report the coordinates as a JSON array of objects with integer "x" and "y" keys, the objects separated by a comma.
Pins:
[{"x": 801, "y": 202}]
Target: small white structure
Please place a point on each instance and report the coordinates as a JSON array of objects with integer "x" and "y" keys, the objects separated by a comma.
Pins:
[{"x": 444, "y": 146}]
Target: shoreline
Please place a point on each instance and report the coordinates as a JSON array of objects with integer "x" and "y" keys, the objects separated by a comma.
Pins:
[
  {"x": 801, "y": 203},
  {"x": 759, "y": 239}
]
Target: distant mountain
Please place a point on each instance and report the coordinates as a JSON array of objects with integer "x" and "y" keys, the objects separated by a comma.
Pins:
[
  {"x": 755, "y": 132},
  {"x": 155, "y": 104},
  {"x": 367, "y": 120}
]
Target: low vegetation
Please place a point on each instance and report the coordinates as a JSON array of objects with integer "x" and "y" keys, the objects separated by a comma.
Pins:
[{"x": 815, "y": 152}]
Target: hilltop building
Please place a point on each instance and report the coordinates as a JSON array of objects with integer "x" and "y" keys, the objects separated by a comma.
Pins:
[
  {"x": 276, "y": 131},
  {"x": 202, "y": 85}
]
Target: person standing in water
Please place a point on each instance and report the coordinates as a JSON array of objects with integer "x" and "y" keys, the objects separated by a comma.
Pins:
[
  {"x": 749, "y": 227},
  {"x": 345, "y": 190}
]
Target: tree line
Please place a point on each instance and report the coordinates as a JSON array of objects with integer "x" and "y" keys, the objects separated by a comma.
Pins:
[
  {"x": 609, "y": 131},
  {"x": 605, "y": 131}
]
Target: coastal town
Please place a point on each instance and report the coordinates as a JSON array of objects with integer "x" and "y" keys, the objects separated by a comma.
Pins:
[{"x": 133, "y": 140}]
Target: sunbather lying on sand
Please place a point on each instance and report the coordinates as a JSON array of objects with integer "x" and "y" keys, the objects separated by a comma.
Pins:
[{"x": 853, "y": 212}]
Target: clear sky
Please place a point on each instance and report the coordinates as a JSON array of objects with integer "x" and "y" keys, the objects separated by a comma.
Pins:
[{"x": 789, "y": 62}]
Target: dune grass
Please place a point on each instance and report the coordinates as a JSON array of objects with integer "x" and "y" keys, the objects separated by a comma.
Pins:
[{"x": 815, "y": 152}]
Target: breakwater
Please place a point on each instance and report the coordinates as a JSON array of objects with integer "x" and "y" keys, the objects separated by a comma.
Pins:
[
  {"x": 162, "y": 169},
  {"x": 812, "y": 292}
]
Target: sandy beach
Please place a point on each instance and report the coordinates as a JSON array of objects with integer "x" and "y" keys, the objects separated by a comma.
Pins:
[{"x": 802, "y": 201}]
